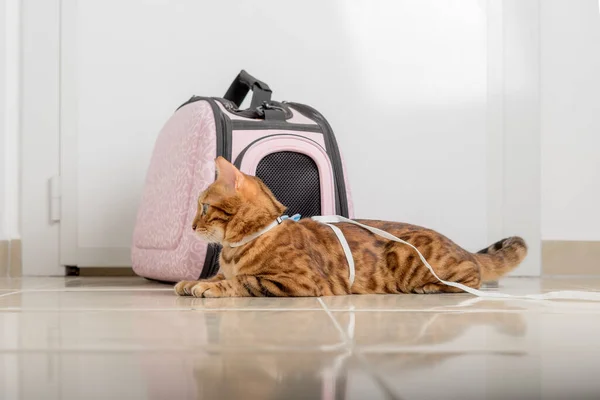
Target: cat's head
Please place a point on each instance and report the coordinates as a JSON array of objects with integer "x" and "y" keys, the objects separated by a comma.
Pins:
[{"x": 234, "y": 206}]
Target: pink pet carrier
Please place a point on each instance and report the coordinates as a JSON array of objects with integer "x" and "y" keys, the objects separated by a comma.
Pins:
[{"x": 290, "y": 146}]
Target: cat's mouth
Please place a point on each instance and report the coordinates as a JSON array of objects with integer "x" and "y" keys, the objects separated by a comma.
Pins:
[{"x": 208, "y": 236}]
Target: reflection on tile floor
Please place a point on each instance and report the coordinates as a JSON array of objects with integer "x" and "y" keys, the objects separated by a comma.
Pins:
[{"x": 128, "y": 338}]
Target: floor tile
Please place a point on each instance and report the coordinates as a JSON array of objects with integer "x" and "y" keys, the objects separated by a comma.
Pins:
[
  {"x": 117, "y": 299},
  {"x": 108, "y": 283},
  {"x": 415, "y": 331},
  {"x": 463, "y": 375},
  {"x": 395, "y": 302},
  {"x": 497, "y": 332},
  {"x": 467, "y": 302},
  {"x": 34, "y": 283},
  {"x": 153, "y": 330},
  {"x": 86, "y": 300},
  {"x": 185, "y": 376},
  {"x": 253, "y": 303},
  {"x": 131, "y": 338}
]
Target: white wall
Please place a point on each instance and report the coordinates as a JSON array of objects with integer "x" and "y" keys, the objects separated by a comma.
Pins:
[
  {"x": 405, "y": 85},
  {"x": 521, "y": 196},
  {"x": 2, "y": 119},
  {"x": 9, "y": 120},
  {"x": 414, "y": 125},
  {"x": 570, "y": 119},
  {"x": 513, "y": 132}
]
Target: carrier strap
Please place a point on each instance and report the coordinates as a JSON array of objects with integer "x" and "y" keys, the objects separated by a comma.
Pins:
[{"x": 240, "y": 87}]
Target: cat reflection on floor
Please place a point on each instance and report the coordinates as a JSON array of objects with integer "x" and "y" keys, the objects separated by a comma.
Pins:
[{"x": 286, "y": 361}]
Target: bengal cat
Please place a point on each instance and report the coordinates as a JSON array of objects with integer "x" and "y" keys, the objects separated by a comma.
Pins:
[{"x": 305, "y": 258}]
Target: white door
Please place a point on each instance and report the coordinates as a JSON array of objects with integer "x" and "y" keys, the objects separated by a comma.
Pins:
[
  {"x": 126, "y": 66},
  {"x": 404, "y": 84}
]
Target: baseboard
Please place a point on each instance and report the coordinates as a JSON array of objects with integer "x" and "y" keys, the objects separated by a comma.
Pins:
[
  {"x": 561, "y": 257},
  {"x": 4, "y": 257},
  {"x": 10, "y": 258},
  {"x": 112, "y": 271}
]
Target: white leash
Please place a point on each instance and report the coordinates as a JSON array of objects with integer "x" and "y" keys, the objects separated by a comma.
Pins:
[
  {"x": 346, "y": 247},
  {"x": 559, "y": 295}
]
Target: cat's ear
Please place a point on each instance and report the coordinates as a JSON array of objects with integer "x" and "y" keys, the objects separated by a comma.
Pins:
[{"x": 228, "y": 174}]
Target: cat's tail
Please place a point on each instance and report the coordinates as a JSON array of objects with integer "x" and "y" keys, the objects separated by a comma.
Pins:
[{"x": 501, "y": 257}]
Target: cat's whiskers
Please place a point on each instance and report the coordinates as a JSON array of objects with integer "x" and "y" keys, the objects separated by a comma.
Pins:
[{"x": 208, "y": 236}]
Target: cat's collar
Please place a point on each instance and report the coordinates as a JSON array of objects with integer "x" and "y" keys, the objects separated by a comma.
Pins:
[{"x": 272, "y": 225}]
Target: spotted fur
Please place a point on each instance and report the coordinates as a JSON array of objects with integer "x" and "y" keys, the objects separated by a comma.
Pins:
[{"x": 305, "y": 258}]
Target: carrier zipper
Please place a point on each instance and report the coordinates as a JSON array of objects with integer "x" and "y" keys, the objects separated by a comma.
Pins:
[
  {"x": 334, "y": 153},
  {"x": 257, "y": 113},
  {"x": 226, "y": 137},
  {"x": 240, "y": 157},
  {"x": 239, "y": 125}
]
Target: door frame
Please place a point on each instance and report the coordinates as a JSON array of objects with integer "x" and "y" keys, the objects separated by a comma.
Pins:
[
  {"x": 513, "y": 122},
  {"x": 40, "y": 134},
  {"x": 49, "y": 140}
]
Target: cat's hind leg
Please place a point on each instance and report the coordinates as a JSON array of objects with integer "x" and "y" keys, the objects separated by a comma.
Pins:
[
  {"x": 471, "y": 280},
  {"x": 431, "y": 288}
]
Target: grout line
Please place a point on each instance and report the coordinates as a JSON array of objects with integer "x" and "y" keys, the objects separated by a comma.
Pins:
[
  {"x": 66, "y": 310},
  {"x": 255, "y": 309},
  {"x": 474, "y": 311},
  {"x": 535, "y": 312},
  {"x": 329, "y": 312},
  {"x": 207, "y": 348},
  {"x": 408, "y": 349},
  {"x": 17, "y": 291},
  {"x": 337, "y": 325},
  {"x": 99, "y": 289},
  {"x": 250, "y": 348},
  {"x": 155, "y": 309},
  {"x": 388, "y": 392},
  {"x": 51, "y": 284},
  {"x": 428, "y": 310},
  {"x": 76, "y": 310}
]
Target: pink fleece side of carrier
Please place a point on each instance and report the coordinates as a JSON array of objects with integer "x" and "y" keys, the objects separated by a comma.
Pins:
[{"x": 182, "y": 166}]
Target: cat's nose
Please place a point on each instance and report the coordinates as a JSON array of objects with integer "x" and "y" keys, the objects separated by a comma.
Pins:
[{"x": 194, "y": 227}]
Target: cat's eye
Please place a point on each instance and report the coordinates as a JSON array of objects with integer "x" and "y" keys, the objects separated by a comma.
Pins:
[{"x": 204, "y": 208}]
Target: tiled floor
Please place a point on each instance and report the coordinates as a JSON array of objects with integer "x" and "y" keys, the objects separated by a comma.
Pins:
[{"x": 128, "y": 338}]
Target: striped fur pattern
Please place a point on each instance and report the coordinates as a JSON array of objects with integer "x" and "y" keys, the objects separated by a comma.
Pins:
[{"x": 305, "y": 258}]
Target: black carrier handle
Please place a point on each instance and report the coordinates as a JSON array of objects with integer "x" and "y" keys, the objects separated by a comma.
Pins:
[{"x": 240, "y": 87}]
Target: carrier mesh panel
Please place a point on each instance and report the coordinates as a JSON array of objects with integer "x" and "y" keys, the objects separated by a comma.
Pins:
[{"x": 294, "y": 180}]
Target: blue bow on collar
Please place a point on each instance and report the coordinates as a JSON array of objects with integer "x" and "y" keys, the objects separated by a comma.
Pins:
[{"x": 295, "y": 217}]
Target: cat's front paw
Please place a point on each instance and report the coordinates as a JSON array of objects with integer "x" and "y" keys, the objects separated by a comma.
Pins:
[
  {"x": 184, "y": 288},
  {"x": 207, "y": 289}
]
